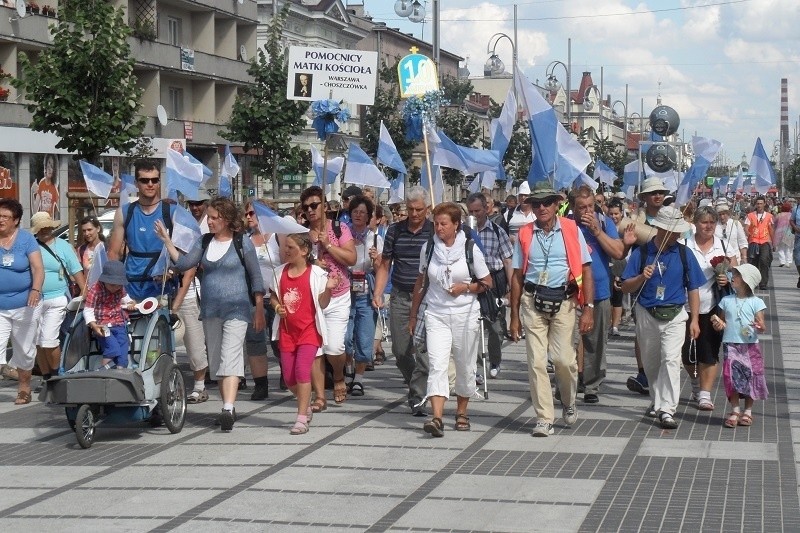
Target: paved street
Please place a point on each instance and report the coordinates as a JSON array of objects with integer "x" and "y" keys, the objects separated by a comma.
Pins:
[{"x": 367, "y": 465}]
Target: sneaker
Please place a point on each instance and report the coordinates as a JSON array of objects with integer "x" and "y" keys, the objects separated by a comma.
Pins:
[
  {"x": 651, "y": 411},
  {"x": 479, "y": 379},
  {"x": 591, "y": 398},
  {"x": 638, "y": 383},
  {"x": 570, "y": 415},
  {"x": 542, "y": 429},
  {"x": 666, "y": 421},
  {"x": 260, "y": 393},
  {"x": 615, "y": 331},
  {"x": 226, "y": 419},
  {"x": 493, "y": 371},
  {"x": 417, "y": 410}
]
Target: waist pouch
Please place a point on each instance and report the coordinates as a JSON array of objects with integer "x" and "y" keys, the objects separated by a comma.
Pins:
[
  {"x": 665, "y": 312},
  {"x": 546, "y": 299}
]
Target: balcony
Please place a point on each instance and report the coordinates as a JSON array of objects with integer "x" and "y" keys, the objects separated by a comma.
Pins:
[
  {"x": 31, "y": 30},
  {"x": 246, "y": 10},
  {"x": 167, "y": 57},
  {"x": 202, "y": 132}
]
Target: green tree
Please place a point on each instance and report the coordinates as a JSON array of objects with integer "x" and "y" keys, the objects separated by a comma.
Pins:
[
  {"x": 262, "y": 118},
  {"x": 82, "y": 88}
]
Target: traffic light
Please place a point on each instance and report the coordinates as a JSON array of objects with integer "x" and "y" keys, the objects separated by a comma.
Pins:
[
  {"x": 664, "y": 120},
  {"x": 661, "y": 158}
]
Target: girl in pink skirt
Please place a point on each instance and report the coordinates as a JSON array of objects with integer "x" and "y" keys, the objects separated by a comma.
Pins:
[{"x": 743, "y": 366}]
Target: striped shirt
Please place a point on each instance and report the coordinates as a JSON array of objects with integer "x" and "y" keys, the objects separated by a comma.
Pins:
[
  {"x": 496, "y": 245},
  {"x": 402, "y": 248}
]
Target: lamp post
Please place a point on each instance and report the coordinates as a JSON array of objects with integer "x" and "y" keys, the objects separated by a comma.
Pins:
[
  {"x": 494, "y": 65},
  {"x": 624, "y": 120},
  {"x": 553, "y": 84},
  {"x": 588, "y": 105}
]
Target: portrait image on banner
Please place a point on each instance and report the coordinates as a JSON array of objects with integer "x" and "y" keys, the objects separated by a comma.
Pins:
[
  {"x": 44, "y": 184},
  {"x": 302, "y": 84}
]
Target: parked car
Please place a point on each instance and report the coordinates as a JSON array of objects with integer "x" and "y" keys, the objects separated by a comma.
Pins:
[{"x": 106, "y": 221}]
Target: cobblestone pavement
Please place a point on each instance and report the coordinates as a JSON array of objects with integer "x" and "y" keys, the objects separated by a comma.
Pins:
[{"x": 368, "y": 466}]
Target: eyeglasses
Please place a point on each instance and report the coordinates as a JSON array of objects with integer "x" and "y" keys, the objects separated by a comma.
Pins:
[
  {"x": 250, "y": 213},
  {"x": 544, "y": 203},
  {"x": 312, "y": 206},
  {"x": 151, "y": 181},
  {"x": 6, "y": 217}
]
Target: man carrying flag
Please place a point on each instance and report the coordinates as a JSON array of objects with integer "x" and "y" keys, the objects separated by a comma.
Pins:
[{"x": 134, "y": 228}]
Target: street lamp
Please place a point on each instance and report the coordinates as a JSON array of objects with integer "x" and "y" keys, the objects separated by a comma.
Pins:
[
  {"x": 553, "y": 84},
  {"x": 624, "y": 119},
  {"x": 403, "y": 8},
  {"x": 494, "y": 65},
  {"x": 415, "y": 12}
]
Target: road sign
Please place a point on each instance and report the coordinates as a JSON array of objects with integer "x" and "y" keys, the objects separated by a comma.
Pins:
[{"x": 417, "y": 74}]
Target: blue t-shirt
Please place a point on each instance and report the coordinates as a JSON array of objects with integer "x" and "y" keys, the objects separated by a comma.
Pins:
[
  {"x": 548, "y": 253},
  {"x": 601, "y": 270},
  {"x": 55, "y": 282},
  {"x": 668, "y": 273},
  {"x": 15, "y": 271},
  {"x": 144, "y": 247},
  {"x": 740, "y": 314}
]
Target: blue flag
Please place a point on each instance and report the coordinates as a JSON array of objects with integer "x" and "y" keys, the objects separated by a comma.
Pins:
[
  {"x": 762, "y": 168},
  {"x": 98, "y": 181},
  {"x": 387, "y": 152}
]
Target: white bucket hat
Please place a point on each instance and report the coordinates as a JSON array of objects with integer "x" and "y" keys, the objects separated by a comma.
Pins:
[
  {"x": 524, "y": 188},
  {"x": 672, "y": 220},
  {"x": 750, "y": 275}
]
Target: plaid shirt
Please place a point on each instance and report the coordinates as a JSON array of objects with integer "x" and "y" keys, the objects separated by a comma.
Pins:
[
  {"x": 107, "y": 305},
  {"x": 495, "y": 250}
]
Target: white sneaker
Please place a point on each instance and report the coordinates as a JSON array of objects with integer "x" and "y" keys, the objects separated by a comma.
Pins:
[
  {"x": 615, "y": 331},
  {"x": 493, "y": 371},
  {"x": 542, "y": 429}
]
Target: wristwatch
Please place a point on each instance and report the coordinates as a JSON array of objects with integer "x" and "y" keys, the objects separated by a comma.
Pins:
[{"x": 590, "y": 306}]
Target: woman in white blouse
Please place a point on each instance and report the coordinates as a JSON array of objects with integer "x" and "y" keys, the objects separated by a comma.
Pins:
[{"x": 451, "y": 317}]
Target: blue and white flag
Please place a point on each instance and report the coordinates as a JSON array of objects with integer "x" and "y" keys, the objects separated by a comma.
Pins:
[
  {"x": 722, "y": 184},
  {"x": 479, "y": 160},
  {"x": 739, "y": 183},
  {"x": 761, "y": 167},
  {"x": 397, "y": 191},
  {"x": 446, "y": 153},
  {"x": 438, "y": 184},
  {"x": 225, "y": 189},
  {"x": 185, "y": 229},
  {"x": 631, "y": 175},
  {"x": 230, "y": 167},
  {"x": 183, "y": 175},
  {"x": 603, "y": 173},
  {"x": 98, "y": 181},
  {"x": 705, "y": 151},
  {"x": 99, "y": 259},
  {"x": 333, "y": 169},
  {"x": 270, "y": 222},
  {"x": 502, "y": 127},
  {"x": 192, "y": 159},
  {"x": 387, "y": 152},
  {"x": 127, "y": 187},
  {"x": 586, "y": 180},
  {"x": 361, "y": 170}
]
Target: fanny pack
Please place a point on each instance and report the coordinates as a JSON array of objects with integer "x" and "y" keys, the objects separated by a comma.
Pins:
[
  {"x": 546, "y": 299},
  {"x": 665, "y": 312}
]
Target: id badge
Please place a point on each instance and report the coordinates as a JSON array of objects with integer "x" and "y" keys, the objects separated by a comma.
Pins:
[
  {"x": 8, "y": 260},
  {"x": 359, "y": 282},
  {"x": 660, "y": 291},
  {"x": 745, "y": 332},
  {"x": 543, "y": 277}
]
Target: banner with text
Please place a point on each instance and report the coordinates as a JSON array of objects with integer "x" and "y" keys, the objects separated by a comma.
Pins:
[{"x": 330, "y": 73}]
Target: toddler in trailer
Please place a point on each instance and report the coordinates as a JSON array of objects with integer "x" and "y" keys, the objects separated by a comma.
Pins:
[
  {"x": 105, "y": 314},
  {"x": 743, "y": 366},
  {"x": 301, "y": 291}
]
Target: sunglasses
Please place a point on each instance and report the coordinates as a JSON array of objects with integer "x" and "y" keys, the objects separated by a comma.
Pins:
[
  {"x": 152, "y": 181},
  {"x": 536, "y": 204},
  {"x": 250, "y": 213},
  {"x": 312, "y": 206}
]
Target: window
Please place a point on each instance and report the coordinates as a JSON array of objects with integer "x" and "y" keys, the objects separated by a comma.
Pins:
[
  {"x": 174, "y": 31},
  {"x": 176, "y": 102}
]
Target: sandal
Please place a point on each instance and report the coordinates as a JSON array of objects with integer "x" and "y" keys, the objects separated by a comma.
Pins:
[
  {"x": 356, "y": 388},
  {"x": 319, "y": 405},
  {"x": 299, "y": 428},
  {"x": 745, "y": 420},
  {"x": 380, "y": 358},
  {"x": 731, "y": 419},
  {"x": 339, "y": 391},
  {"x": 462, "y": 422},
  {"x": 705, "y": 404},
  {"x": 197, "y": 396},
  {"x": 435, "y": 427},
  {"x": 23, "y": 397}
]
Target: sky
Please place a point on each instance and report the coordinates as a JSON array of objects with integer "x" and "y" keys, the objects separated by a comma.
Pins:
[{"x": 719, "y": 62}]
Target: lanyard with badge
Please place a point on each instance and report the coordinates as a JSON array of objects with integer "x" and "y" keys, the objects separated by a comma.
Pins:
[
  {"x": 544, "y": 274},
  {"x": 8, "y": 257},
  {"x": 358, "y": 281},
  {"x": 661, "y": 289}
]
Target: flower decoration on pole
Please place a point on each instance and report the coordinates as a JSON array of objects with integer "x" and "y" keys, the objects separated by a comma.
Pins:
[
  {"x": 326, "y": 113},
  {"x": 417, "y": 110}
]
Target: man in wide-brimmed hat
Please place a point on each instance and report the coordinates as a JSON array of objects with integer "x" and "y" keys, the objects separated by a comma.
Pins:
[
  {"x": 661, "y": 273},
  {"x": 552, "y": 278}
]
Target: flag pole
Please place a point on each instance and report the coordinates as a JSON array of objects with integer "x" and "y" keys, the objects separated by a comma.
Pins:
[{"x": 428, "y": 164}]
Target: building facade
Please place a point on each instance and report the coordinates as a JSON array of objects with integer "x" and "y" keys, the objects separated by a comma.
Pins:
[{"x": 190, "y": 59}]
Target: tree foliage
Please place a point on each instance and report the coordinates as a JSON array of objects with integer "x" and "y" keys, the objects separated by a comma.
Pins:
[
  {"x": 262, "y": 118},
  {"x": 82, "y": 88}
]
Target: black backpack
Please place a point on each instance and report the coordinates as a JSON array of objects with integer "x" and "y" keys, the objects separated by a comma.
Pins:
[{"x": 238, "y": 237}]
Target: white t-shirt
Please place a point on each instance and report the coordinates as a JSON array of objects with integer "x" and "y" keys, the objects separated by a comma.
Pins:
[
  {"x": 705, "y": 291},
  {"x": 269, "y": 258},
  {"x": 363, "y": 262},
  {"x": 216, "y": 249},
  {"x": 519, "y": 219},
  {"x": 442, "y": 276}
]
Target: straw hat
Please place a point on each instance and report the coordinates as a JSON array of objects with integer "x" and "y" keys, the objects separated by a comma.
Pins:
[
  {"x": 42, "y": 220},
  {"x": 653, "y": 185},
  {"x": 672, "y": 220}
]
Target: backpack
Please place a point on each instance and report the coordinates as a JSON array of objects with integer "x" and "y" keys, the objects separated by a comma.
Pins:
[{"x": 237, "y": 245}]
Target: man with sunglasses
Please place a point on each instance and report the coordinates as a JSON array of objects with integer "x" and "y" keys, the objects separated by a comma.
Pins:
[
  {"x": 552, "y": 278},
  {"x": 134, "y": 228}
]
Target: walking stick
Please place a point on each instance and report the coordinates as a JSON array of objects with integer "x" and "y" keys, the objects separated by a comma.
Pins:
[{"x": 484, "y": 355}]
